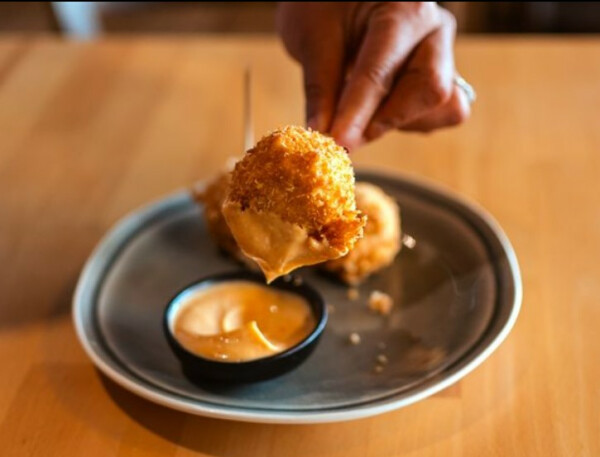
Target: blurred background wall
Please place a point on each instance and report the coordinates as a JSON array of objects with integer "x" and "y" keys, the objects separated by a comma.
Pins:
[{"x": 89, "y": 19}]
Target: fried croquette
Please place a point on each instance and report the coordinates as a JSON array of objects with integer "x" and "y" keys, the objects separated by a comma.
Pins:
[
  {"x": 291, "y": 201},
  {"x": 381, "y": 241}
]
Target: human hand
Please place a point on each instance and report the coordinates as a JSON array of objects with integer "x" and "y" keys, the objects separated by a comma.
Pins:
[{"x": 374, "y": 67}]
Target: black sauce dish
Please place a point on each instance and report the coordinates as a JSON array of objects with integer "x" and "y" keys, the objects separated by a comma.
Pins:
[{"x": 200, "y": 369}]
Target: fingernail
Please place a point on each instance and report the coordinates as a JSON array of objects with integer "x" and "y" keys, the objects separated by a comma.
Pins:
[{"x": 349, "y": 138}]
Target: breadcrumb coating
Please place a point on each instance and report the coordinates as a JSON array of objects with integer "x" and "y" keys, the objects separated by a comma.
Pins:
[
  {"x": 381, "y": 240},
  {"x": 305, "y": 178}
]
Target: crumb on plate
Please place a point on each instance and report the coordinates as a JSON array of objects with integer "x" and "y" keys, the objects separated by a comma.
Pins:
[
  {"x": 380, "y": 302},
  {"x": 408, "y": 241},
  {"x": 382, "y": 359},
  {"x": 354, "y": 338}
]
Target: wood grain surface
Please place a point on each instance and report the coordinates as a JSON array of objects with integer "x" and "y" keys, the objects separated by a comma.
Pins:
[{"x": 89, "y": 131}]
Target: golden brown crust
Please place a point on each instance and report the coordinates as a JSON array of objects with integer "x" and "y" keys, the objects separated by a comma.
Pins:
[{"x": 306, "y": 179}]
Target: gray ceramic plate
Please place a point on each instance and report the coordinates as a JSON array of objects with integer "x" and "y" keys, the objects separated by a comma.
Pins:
[{"x": 457, "y": 295}]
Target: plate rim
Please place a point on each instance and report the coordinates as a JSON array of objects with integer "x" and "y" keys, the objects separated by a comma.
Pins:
[{"x": 172, "y": 400}]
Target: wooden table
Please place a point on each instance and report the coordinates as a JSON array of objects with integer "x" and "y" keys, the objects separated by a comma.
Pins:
[{"x": 90, "y": 131}]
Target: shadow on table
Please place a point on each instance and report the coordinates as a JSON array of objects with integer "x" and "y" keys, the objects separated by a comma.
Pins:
[
  {"x": 238, "y": 439},
  {"x": 30, "y": 304},
  {"x": 40, "y": 277}
]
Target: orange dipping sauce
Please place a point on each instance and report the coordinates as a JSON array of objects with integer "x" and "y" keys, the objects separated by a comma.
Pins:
[{"x": 241, "y": 320}]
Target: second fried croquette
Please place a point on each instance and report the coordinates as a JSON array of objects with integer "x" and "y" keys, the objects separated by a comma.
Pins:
[
  {"x": 291, "y": 201},
  {"x": 381, "y": 241},
  {"x": 212, "y": 197}
]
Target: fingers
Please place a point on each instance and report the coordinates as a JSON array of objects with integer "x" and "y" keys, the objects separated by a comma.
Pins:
[
  {"x": 392, "y": 33},
  {"x": 454, "y": 112},
  {"x": 423, "y": 86},
  {"x": 303, "y": 27},
  {"x": 323, "y": 69}
]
